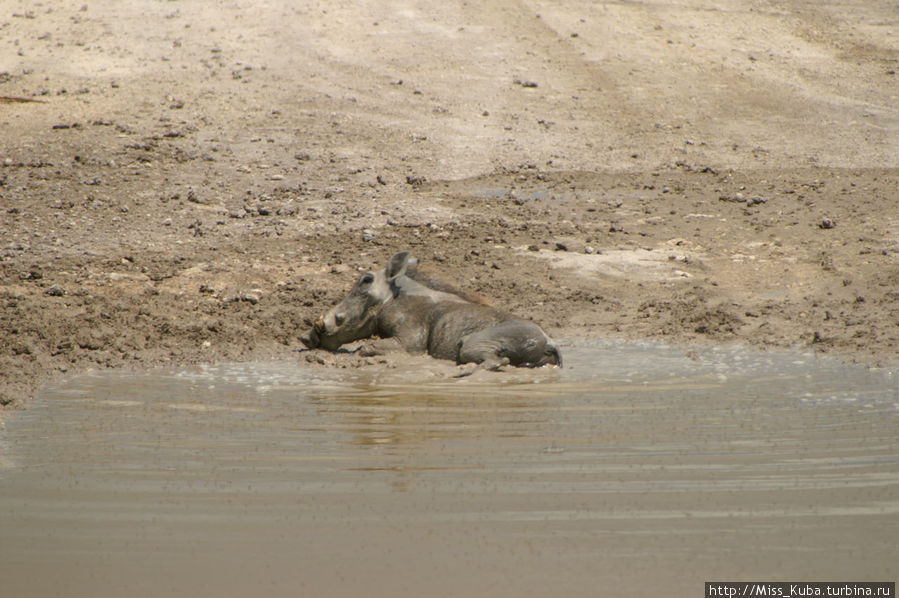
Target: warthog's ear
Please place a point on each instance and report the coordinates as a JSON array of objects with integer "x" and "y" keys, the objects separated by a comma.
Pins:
[
  {"x": 401, "y": 263},
  {"x": 411, "y": 266}
]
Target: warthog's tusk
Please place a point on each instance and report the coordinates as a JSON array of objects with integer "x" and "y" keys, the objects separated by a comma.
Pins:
[{"x": 319, "y": 326}]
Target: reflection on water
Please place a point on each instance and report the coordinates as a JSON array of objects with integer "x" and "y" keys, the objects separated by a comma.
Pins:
[{"x": 635, "y": 467}]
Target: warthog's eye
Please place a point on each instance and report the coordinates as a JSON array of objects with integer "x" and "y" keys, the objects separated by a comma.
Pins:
[{"x": 368, "y": 278}]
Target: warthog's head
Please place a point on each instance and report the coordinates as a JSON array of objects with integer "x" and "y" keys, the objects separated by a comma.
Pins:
[{"x": 355, "y": 317}]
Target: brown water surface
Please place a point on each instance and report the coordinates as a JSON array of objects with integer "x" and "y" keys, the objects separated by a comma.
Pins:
[{"x": 633, "y": 470}]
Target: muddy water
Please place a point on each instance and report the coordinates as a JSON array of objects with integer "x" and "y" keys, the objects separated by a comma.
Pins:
[{"x": 636, "y": 468}]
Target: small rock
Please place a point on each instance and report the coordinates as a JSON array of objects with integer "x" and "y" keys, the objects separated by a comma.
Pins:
[
  {"x": 251, "y": 297},
  {"x": 368, "y": 235},
  {"x": 826, "y": 224},
  {"x": 197, "y": 227},
  {"x": 740, "y": 198},
  {"x": 55, "y": 291},
  {"x": 570, "y": 244},
  {"x": 313, "y": 358},
  {"x": 89, "y": 342},
  {"x": 34, "y": 273},
  {"x": 21, "y": 349}
]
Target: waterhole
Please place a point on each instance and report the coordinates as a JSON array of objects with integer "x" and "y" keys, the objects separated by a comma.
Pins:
[{"x": 637, "y": 470}]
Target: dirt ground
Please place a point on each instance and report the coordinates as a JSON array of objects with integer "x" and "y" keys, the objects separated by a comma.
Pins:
[{"x": 193, "y": 181}]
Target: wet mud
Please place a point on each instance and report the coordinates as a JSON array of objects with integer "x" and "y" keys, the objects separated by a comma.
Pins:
[{"x": 193, "y": 182}]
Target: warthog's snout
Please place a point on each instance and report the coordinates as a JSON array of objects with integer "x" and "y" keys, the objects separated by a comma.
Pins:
[{"x": 312, "y": 339}]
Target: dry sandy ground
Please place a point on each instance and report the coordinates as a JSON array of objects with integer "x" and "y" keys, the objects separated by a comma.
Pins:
[{"x": 193, "y": 180}]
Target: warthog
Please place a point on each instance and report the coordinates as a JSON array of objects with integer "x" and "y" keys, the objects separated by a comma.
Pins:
[{"x": 419, "y": 314}]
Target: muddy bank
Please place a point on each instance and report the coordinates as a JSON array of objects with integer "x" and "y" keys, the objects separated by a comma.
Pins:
[
  {"x": 197, "y": 190},
  {"x": 782, "y": 263}
]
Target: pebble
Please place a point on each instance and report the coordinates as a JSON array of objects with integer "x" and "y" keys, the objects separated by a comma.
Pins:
[
  {"x": 313, "y": 358},
  {"x": 570, "y": 244},
  {"x": 740, "y": 198},
  {"x": 251, "y": 297},
  {"x": 55, "y": 291}
]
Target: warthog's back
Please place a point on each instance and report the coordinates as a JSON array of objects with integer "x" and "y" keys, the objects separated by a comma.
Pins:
[{"x": 467, "y": 333}]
